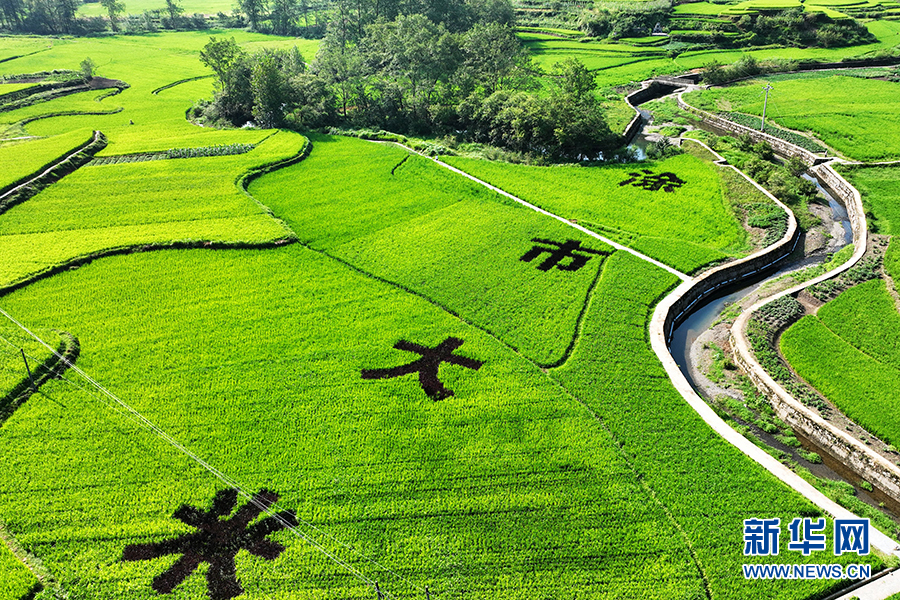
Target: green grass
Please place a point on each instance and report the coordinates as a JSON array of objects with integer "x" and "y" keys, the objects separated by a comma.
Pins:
[
  {"x": 704, "y": 230},
  {"x": 146, "y": 62},
  {"x": 262, "y": 359},
  {"x": 591, "y": 478},
  {"x": 99, "y": 208},
  {"x": 866, "y": 317},
  {"x": 430, "y": 236},
  {"x": 679, "y": 457},
  {"x": 7, "y": 88},
  {"x": 892, "y": 261},
  {"x": 880, "y": 189},
  {"x": 12, "y": 368},
  {"x": 20, "y": 159},
  {"x": 11, "y": 46},
  {"x": 698, "y": 8},
  {"x": 853, "y": 115},
  {"x": 16, "y": 581},
  {"x": 860, "y": 386},
  {"x": 420, "y": 486}
]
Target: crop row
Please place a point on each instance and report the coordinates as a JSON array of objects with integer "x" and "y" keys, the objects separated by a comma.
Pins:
[
  {"x": 866, "y": 317},
  {"x": 788, "y": 136},
  {"x": 216, "y": 150},
  {"x": 456, "y": 494},
  {"x": 121, "y": 205},
  {"x": 880, "y": 189},
  {"x": 441, "y": 235},
  {"x": 202, "y": 152},
  {"x": 26, "y": 157},
  {"x": 859, "y": 385},
  {"x": 16, "y": 581}
]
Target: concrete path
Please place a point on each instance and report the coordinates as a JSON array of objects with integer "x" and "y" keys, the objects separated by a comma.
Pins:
[
  {"x": 580, "y": 228},
  {"x": 880, "y": 589}
]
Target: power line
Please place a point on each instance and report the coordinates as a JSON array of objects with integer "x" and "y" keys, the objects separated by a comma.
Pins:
[{"x": 272, "y": 510}]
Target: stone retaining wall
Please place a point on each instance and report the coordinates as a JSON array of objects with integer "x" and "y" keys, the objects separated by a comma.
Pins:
[
  {"x": 856, "y": 456},
  {"x": 649, "y": 91},
  {"x": 779, "y": 145},
  {"x": 718, "y": 278},
  {"x": 849, "y": 451}
]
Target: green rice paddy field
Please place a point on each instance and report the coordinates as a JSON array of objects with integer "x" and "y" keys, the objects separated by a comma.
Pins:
[
  {"x": 855, "y": 116},
  {"x": 849, "y": 351},
  {"x": 621, "y": 63},
  {"x": 564, "y": 464}
]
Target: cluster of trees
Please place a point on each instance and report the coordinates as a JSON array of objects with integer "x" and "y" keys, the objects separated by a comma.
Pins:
[
  {"x": 55, "y": 17},
  {"x": 628, "y": 19},
  {"x": 412, "y": 75},
  {"x": 790, "y": 27},
  {"x": 783, "y": 180},
  {"x": 715, "y": 73}
]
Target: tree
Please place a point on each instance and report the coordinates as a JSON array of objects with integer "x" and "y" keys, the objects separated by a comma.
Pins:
[
  {"x": 493, "y": 57},
  {"x": 284, "y": 16},
  {"x": 88, "y": 67},
  {"x": 174, "y": 9},
  {"x": 220, "y": 55},
  {"x": 12, "y": 13},
  {"x": 254, "y": 11},
  {"x": 269, "y": 91},
  {"x": 113, "y": 8},
  {"x": 340, "y": 64},
  {"x": 416, "y": 55}
]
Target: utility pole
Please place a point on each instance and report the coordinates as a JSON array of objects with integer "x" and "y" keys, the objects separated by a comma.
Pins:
[
  {"x": 762, "y": 127},
  {"x": 27, "y": 368}
]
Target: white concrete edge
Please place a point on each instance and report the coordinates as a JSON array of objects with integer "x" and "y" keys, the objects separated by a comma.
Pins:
[
  {"x": 860, "y": 234},
  {"x": 785, "y": 239},
  {"x": 540, "y": 210},
  {"x": 658, "y": 341}
]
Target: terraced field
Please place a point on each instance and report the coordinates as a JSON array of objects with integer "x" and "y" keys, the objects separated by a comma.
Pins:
[
  {"x": 850, "y": 353},
  {"x": 444, "y": 388},
  {"x": 853, "y": 115},
  {"x": 623, "y": 62}
]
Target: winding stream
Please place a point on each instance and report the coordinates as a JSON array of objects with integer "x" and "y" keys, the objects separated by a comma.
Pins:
[{"x": 701, "y": 318}]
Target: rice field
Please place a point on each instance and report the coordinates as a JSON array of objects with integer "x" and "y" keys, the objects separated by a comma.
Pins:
[
  {"x": 849, "y": 352},
  {"x": 439, "y": 395}
]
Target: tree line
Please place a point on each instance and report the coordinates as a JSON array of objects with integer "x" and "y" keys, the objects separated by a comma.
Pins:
[{"x": 411, "y": 75}]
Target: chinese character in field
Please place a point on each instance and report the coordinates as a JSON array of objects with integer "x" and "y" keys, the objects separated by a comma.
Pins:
[
  {"x": 216, "y": 542},
  {"x": 811, "y": 532},
  {"x": 851, "y": 535},
  {"x": 761, "y": 537},
  {"x": 427, "y": 366},
  {"x": 557, "y": 252},
  {"x": 647, "y": 180}
]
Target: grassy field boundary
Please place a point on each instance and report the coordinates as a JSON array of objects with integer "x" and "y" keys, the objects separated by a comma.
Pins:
[
  {"x": 179, "y": 82},
  {"x": 241, "y": 182},
  {"x": 23, "y": 189},
  {"x": 68, "y": 113}
]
